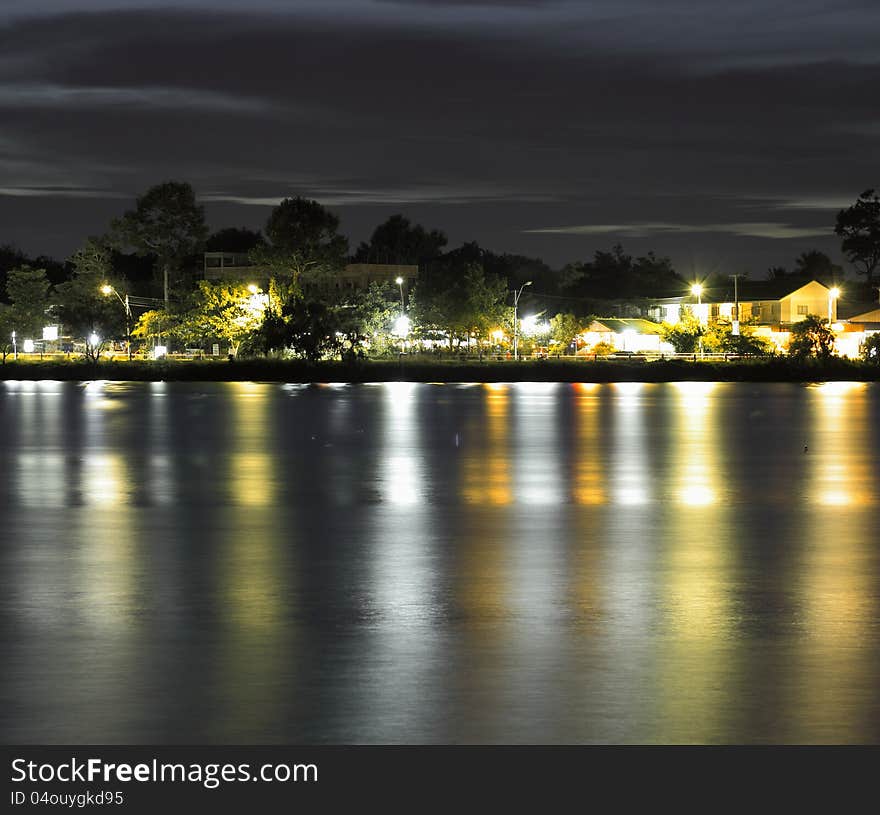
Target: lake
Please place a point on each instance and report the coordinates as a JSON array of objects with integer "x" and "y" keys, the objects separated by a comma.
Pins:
[{"x": 401, "y": 563}]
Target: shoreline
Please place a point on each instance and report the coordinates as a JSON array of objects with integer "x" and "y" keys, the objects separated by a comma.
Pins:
[{"x": 298, "y": 371}]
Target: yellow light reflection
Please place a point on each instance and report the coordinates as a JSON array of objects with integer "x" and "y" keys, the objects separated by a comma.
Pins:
[
  {"x": 588, "y": 475},
  {"x": 486, "y": 475},
  {"x": 255, "y": 574},
  {"x": 252, "y": 479},
  {"x": 836, "y": 672},
  {"x": 698, "y": 564}
]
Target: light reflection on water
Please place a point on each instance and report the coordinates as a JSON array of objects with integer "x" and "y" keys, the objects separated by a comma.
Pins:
[{"x": 691, "y": 562}]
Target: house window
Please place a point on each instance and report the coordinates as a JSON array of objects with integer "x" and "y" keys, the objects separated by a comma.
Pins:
[
  {"x": 756, "y": 309},
  {"x": 715, "y": 311},
  {"x": 802, "y": 309}
]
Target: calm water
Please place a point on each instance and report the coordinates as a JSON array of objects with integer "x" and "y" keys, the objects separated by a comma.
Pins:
[{"x": 251, "y": 563}]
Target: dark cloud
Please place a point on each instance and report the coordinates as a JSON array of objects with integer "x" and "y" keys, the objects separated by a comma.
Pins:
[{"x": 551, "y": 128}]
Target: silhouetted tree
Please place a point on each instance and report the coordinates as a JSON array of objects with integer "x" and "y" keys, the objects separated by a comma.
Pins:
[
  {"x": 166, "y": 223},
  {"x": 399, "y": 241},
  {"x": 859, "y": 228},
  {"x": 815, "y": 265},
  {"x": 239, "y": 240}
]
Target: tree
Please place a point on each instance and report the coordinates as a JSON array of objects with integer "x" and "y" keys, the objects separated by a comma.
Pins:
[
  {"x": 719, "y": 338},
  {"x": 369, "y": 317},
  {"x": 811, "y": 337},
  {"x": 166, "y": 223},
  {"x": 225, "y": 311},
  {"x": 463, "y": 302},
  {"x": 6, "y": 329},
  {"x": 685, "y": 335},
  {"x": 815, "y": 265},
  {"x": 312, "y": 328},
  {"x": 870, "y": 349},
  {"x": 859, "y": 228},
  {"x": 564, "y": 327},
  {"x": 239, "y": 240},
  {"x": 304, "y": 249},
  {"x": 28, "y": 291},
  {"x": 398, "y": 241},
  {"x": 79, "y": 303}
]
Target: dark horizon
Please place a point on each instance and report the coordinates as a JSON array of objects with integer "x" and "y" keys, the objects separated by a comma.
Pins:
[{"x": 723, "y": 138}]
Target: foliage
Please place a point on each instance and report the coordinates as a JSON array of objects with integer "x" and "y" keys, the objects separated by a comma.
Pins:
[
  {"x": 719, "y": 338},
  {"x": 28, "y": 292},
  {"x": 461, "y": 301},
  {"x": 870, "y": 349},
  {"x": 602, "y": 349},
  {"x": 815, "y": 265},
  {"x": 858, "y": 227},
  {"x": 615, "y": 274},
  {"x": 7, "y": 326},
  {"x": 564, "y": 327},
  {"x": 370, "y": 315},
  {"x": 398, "y": 241},
  {"x": 80, "y": 306},
  {"x": 152, "y": 325},
  {"x": 685, "y": 335},
  {"x": 308, "y": 328},
  {"x": 166, "y": 223},
  {"x": 811, "y": 337},
  {"x": 225, "y": 311},
  {"x": 234, "y": 239}
]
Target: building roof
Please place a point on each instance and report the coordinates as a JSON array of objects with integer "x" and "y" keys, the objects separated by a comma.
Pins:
[
  {"x": 618, "y": 325},
  {"x": 872, "y": 316}
]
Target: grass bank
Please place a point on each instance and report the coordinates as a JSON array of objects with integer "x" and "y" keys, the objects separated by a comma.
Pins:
[{"x": 414, "y": 370}]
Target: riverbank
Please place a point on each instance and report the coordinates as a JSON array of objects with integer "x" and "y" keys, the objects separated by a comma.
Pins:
[{"x": 549, "y": 370}]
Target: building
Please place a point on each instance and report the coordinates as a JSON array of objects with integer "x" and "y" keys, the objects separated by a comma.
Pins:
[
  {"x": 773, "y": 303},
  {"x": 234, "y": 267},
  {"x": 625, "y": 334}
]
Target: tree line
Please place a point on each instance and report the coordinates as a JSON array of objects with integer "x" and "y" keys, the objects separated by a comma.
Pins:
[{"x": 152, "y": 253}]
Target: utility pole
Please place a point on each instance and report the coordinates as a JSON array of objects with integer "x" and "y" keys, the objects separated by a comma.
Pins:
[
  {"x": 516, "y": 296},
  {"x": 735, "y": 322}
]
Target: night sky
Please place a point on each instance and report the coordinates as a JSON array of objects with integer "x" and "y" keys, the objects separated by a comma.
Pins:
[{"x": 723, "y": 134}]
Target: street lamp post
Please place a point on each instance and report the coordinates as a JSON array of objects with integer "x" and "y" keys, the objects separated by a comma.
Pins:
[
  {"x": 107, "y": 290},
  {"x": 516, "y": 296},
  {"x": 399, "y": 282},
  {"x": 833, "y": 294},
  {"x": 697, "y": 289}
]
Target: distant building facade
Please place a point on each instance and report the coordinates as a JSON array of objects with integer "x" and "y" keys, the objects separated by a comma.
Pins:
[
  {"x": 232, "y": 267},
  {"x": 772, "y": 303}
]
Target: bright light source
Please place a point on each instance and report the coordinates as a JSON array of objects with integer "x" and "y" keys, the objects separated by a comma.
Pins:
[
  {"x": 399, "y": 281},
  {"x": 629, "y": 332},
  {"x": 529, "y": 324},
  {"x": 253, "y": 288},
  {"x": 94, "y": 340},
  {"x": 29, "y": 346},
  {"x": 834, "y": 293},
  {"x": 402, "y": 326},
  {"x": 106, "y": 289},
  {"x": 696, "y": 289},
  {"x": 50, "y": 333},
  {"x": 160, "y": 351},
  {"x": 498, "y": 335}
]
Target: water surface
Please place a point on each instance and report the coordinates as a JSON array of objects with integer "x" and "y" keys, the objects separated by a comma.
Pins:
[{"x": 246, "y": 563}]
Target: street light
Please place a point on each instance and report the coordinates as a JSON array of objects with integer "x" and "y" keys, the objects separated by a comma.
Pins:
[
  {"x": 516, "y": 296},
  {"x": 697, "y": 289},
  {"x": 399, "y": 282},
  {"x": 107, "y": 290},
  {"x": 833, "y": 294}
]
